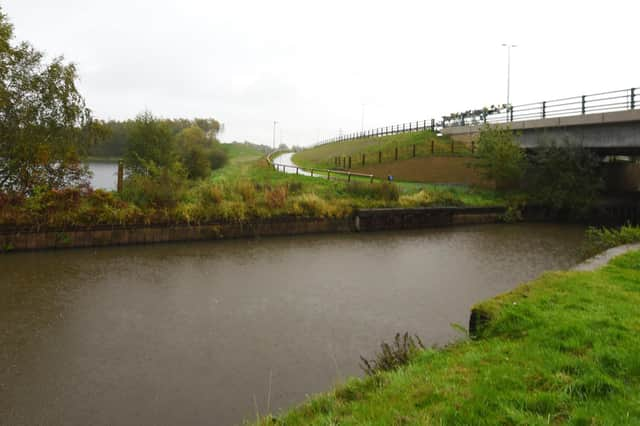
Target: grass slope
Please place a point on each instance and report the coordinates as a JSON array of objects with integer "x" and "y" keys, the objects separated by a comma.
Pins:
[
  {"x": 323, "y": 155},
  {"x": 563, "y": 349}
]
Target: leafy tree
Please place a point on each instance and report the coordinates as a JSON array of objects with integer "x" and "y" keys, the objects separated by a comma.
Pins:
[
  {"x": 45, "y": 127},
  {"x": 150, "y": 145},
  {"x": 564, "y": 176},
  {"x": 499, "y": 156}
]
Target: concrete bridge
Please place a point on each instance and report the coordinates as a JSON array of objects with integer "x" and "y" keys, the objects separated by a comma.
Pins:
[{"x": 606, "y": 122}]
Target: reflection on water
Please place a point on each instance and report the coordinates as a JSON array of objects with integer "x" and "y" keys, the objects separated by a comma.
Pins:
[
  {"x": 105, "y": 175},
  {"x": 191, "y": 333}
]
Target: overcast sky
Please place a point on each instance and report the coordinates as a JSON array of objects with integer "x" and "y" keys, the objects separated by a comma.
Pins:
[{"x": 313, "y": 65}]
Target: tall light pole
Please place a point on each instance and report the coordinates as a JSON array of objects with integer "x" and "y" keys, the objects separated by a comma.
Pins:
[
  {"x": 274, "y": 135},
  {"x": 508, "y": 46}
]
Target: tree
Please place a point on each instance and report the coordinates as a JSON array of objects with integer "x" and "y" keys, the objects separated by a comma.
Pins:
[
  {"x": 499, "y": 156},
  {"x": 45, "y": 127},
  {"x": 564, "y": 176},
  {"x": 150, "y": 145}
]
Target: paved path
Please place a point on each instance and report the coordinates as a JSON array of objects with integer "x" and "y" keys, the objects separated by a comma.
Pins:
[{"x": 604, "y": 257}]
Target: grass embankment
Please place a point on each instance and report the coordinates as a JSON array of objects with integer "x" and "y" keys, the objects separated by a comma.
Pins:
[
  {"x": 561, "y": 349},
  {"x": 442, "y": 166},
  {"x": 322, "y": 156}
]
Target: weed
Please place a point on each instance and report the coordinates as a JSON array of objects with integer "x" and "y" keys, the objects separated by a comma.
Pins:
[{"x": 393, "y": 355}]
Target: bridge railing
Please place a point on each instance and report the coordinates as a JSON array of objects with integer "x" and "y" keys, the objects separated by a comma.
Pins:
[{"x": 617, "y": 100}]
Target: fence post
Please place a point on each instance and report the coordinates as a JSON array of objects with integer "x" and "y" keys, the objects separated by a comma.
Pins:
[
  {"x": 544, "y": 109},
  {"x": 363, "y": 158},
  {"x": 414, "y": 150},
  {"x": 511, "y": 113},
  {"x": 349, "y": 161},
  {"x": 633, "y": 98},
  {"x": 583, "y": 104},
  {"x": 432, "y": 145},
  {"x": 433, "y": 125},
  {"x": 120, "y": 175},
  {"x": 311, "y": 172},
  {"x": 396, "y": 153},
  {"x": 348, "y": 177},
  {"x": 297, "y": 171},
  {"x": 473, "y": 147},
  {"x": 379, "y": 156}
]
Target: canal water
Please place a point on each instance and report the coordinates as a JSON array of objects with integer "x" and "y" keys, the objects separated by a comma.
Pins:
[{"x": 209, "y": 333}]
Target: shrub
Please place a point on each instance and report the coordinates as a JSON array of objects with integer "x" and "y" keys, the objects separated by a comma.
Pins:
[
  {"x": 564, "y": 176},
  {"x": 196, "y": 162},
  {"x": 600, "y": 239},
  {"x": 499, "y": 156},
  {"x": 247, "y": 191},
  {"x": 276, "y": 198},
  {"x": 164, "y": 190},
  {"x": 211, "y": 194},
  {"x": 311, "y": 205},
  {"x": 421, "y": 198},
  {"x": 393, "y": 355},
  {"x": 217, "y": 158},
  {"x": 386, "y": 191}
]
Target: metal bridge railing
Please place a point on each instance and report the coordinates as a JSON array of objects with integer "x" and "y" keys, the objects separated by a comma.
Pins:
[{"x": 617, "y": 100}]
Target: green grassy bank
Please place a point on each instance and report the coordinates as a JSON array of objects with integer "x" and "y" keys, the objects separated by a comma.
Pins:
[
  {"x": 322, "y": 156},
  {"x": 563, "y": 349}
]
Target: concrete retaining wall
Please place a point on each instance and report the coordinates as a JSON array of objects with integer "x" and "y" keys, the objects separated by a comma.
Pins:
[{"x": 364, "y": 220}]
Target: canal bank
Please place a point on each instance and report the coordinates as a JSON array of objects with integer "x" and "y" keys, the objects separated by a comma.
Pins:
[
  {"x": 562, "y": 349},
  {"x": 363, "y": 220}
]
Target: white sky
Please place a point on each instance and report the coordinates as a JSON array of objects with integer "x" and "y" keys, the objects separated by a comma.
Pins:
[{"x": 311, "y": 65}]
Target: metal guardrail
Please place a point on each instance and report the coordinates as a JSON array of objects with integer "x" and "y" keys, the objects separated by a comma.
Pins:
[
  {"x": 319, "y": 172},
  {"x": 617, "y": 100}
]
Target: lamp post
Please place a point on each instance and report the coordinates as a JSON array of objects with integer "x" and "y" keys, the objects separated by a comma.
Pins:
[
  {"x": 274, "y": 135},
  {"x": 508, "y": 46}
]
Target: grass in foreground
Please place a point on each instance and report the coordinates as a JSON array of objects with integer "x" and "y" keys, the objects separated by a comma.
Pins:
[
  {"x": 563, "y": 349},
  {"x": 323, "y": 155}
]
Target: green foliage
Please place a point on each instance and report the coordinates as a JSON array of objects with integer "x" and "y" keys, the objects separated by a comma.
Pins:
[
  {"x": 564, "y": 176},
  {"x": 150, "y": 146},
  {"x": 499, "y": 156},
  {"x": 598, "y": 240},
  {"x": 163, "y": 188},
  {"x": 45, "y": 127},
  {"x": 386, "y": 191}
]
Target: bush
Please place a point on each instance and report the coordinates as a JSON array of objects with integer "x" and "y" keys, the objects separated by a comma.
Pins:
[
  {"x": 196, "y": 163},
  {"x": 217, "y": 158},
  {"x": 499, "y": 157},
  {"x": 311, "y": 205},
  {"x": 247, "y": 191},
  {"x": 393, "y": 355},
  {"x": 386, "y": 191},
  {"x": 276, "y": 198},
  {"x": 164, "y": 190},
  {"x": 422, "y": 198},
  {"x": 564, "y": 176},
  {"x": 598, "y": 240},
  {"x": 211, "y": 194}
]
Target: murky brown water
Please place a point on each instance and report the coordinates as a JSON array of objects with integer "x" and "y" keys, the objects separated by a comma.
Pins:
[{"x": 191, "y": 333}]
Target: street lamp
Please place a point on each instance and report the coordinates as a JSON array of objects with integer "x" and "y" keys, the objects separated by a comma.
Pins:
[
  {"x": 274, "y": 135},
  {"x": 508, "y": 46}
]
